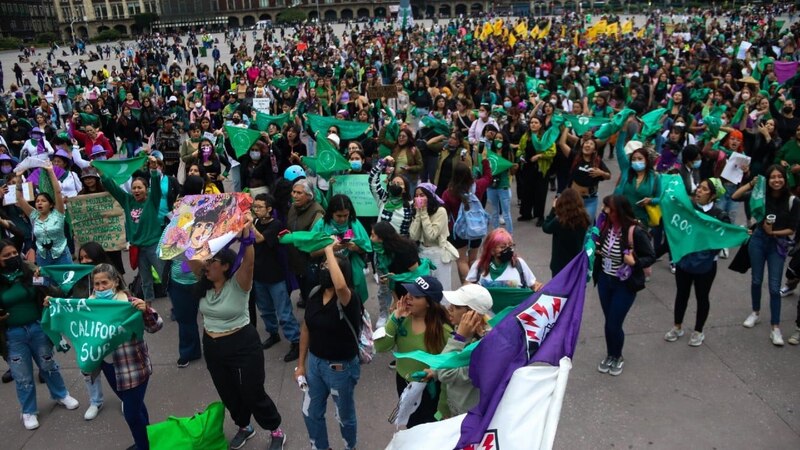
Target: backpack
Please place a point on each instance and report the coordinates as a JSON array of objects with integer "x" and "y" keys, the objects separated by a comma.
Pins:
[{"x": 472, "y": 223}]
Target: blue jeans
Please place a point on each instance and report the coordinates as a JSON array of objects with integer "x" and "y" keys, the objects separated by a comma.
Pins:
[
  {"x": 133, "y": 407},
  {"x": 615, "y": 300},
  {"x": 324, "y": 381},
  {"x": 726, "y": 202},
  {"x": 274, "y": 303},
  {"x": 763, "y": 250},
  {"x": 384, "y": 297},
  {"x": 45, "y": 259},
  {"x": 236, "y": 178},
  {"x": 590, "y": 203},
  {"x": 185, "y": 307},
  {"x": 94, "y": 389},
  {"x": 147, "y": 259},
  {"x": 29, "y": 343},
  {"x": 500, "y": 198},
  {"x": 131, "y": 146}
]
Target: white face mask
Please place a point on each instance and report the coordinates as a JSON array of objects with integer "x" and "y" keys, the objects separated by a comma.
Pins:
[
  {"x": 198, "y": 105},
  {"x": 482, "y": 115}
]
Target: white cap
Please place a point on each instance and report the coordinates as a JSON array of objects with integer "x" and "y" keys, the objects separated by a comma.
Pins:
[
  {"x": 632, "y": 146},
  {"x": 474, "y": 296},
  {"x": 172, "y": 99},
  {"x": 334, "y": 138}
]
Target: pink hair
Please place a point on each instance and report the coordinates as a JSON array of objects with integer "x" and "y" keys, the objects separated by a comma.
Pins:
[{"x": 496, "y": 237}]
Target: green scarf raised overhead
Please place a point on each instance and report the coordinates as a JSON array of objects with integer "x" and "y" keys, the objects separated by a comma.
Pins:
[
  {"x": 328, "y": 159},
  {"x": 391, "y": 133},
  {"x": 307, "y": 241},
  {"x": 263, "y": 121},
  {"x": 689, "y": 230},
  {"x": 713, "y": 122},
  {"x": 94, "y": 327},
  {"x": 439, "y": 126},
  {"x": 616, "y": 123},
  {"x": 283, "y": 84},
  {"x": 120, "y": 170},
  {"x": 582, "y": 124},
  {"x": 241, "y": 138},
  {"x": 652, "y": 123},
  {"x": 361, "y": 239},
  {"x": 496, "y": 162},
  {"x": 347, "y": 129}
]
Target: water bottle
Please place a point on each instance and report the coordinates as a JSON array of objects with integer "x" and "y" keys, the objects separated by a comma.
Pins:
[{"x": 303, "y": 383}]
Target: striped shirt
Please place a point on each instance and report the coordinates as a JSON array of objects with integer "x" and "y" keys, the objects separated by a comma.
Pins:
[{"x": 611, "y": 251}]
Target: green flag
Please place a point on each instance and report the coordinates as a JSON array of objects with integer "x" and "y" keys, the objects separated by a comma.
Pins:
[
  {"x": 687, "y": 229},
  {"x": 89, "y": 119},
  {"x": 347, "y": 129},
  {"x": 263, "y": 121},
  {"x": 440, "y": 126},
  {"x": 67, "y": 275},
  {"x": 582, "y": 124},
  {"x": 508, "y": 297},
  {"x": 758, "y": 208},
  {"x": 137, "y": 113},
  {"x": 652, "y": 122},
  {"x": 120, "y": 170},
  {"x": 328, "y": 159},
  {"x": 616, "y": 123},
  {"x": 283, "y": 84},
  {"x": 392, "y": 131},
  {"x": 549, "y": 137},
  {"x": 94, "y": 327},
  {"x": 307, "y": 241},
  {"x": 497, "y": 163},
  {"x": 713, "y": 122},
  {"x": 241, "y": 138}
]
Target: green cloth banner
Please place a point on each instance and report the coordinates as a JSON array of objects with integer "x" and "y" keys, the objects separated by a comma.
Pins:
[
  {"x": 283, "y": 84},
  {"x": 347, "y": 129},
  {"x": 582, "y": 124},
  {"x": 120, "y": 170},
  {"x": 758, "y": 207},
  {"x": 496, "y": 162},
  {"x": 616, "y": 123},
  {"x": 687, "y": 229},
  {"x": 328, "y": 160},
  {"x": 439, "y": 126},
  {"x": 307, "y": 241},
  {"x": 263, "y": 121},
  {"x": 241, "y": 138},
  {"x": 67, "y": 275},
  {"x": 356, "y": 187},
  {"x": 505, "y": 297},
  {"x": 94, "y": 327},
  {"x": 652, "y": 122}
]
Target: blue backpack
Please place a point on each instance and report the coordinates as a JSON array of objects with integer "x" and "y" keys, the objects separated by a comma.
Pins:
[{"x": 473, "y": 221}]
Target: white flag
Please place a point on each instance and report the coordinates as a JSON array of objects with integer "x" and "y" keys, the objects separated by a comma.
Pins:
[{"x": 526, "y": 418}]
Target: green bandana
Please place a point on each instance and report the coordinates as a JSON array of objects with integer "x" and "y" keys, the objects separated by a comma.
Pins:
[
  {"x": 11, "y": 277},
  {"x": 497, "y": 270},
  {"x": 393, "y": 204}
]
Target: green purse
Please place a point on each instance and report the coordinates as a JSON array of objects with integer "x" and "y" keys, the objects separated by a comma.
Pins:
[{"x": 202, "y": 431}]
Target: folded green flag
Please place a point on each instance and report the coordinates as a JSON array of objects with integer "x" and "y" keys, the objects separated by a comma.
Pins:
[
  {"x": 737, "y": 118},
  {"x": 582, "y": 124},
  {"x": 67, "y": 275},
  {"x": 241, "y": 138},
  {"x": 120, "y": 170},
  {"x": 347, "y": 129},
  {"x": 453, "y": 360},
  {"x": 94, "y": 327},
  {"x": 699, "y": 95},
  {"x": 652, "y": 122},
  {"x": 439, "y": 126},
  {"x": 391, "y": 133},
  {"x": 713, "y": 122},
  {"x": 307, "y": 241},
  {"x": 283, "y": 84},
  {"x": 89, "y": 119},
  {"x": 616, "y": 123},
  {"x": 328, "y": 159},
  {"x": 497, "y": 163},
  {"x": 263, "y": 121},
  {"x": 758, "y": 207},
  {"x": 689, "y": 230}
]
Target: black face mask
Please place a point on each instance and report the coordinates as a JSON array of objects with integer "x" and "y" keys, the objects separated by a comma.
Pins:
[
  {"x": 325, "y": 280},
  {"x": 787, "y": 109},
  {"x": 12, "y": 264},
  {"x": 395, "y": 190},
  {"x": 506, "y": 255}
]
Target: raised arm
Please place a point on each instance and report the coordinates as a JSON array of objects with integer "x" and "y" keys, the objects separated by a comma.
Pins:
[
  {"x": 59, "y": 199},
  {"x": 343, "y": 293},
  {"x": 244, "y": 276},
  {"x": 21, "y": 203}
]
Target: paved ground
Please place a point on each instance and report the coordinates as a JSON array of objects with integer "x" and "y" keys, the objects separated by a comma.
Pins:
[{"x": 737, "y": 391}]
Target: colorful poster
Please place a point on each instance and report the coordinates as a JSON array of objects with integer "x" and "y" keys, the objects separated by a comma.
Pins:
[
  {"x": 202, "y": 225},
  {"x": 98, "y": 218}
]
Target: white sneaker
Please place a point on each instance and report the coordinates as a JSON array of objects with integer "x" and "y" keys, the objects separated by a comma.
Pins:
[
  {"x": 502, "y": 221},
  {"x": 723, "y": 253},
  {"x": 30, "y": 421},
  {"x": 751, "y": 320},
  {"x": 68, "y": 402},
  {"x": 673, "y": 334},
  {"x": 381, "y": 322},
  {"x": 794, "y": 339},
  {"x": 787, "y": 291},
  {"x": 696, "y": 339},
  {"x": 775, "y": 336},
  {"x": 92, "y": 412}
]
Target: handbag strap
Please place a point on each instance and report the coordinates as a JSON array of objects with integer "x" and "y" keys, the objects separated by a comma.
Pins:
[{"x": 342, "y": 315}]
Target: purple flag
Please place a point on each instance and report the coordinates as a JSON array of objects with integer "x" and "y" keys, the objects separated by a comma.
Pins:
[
  {"x": 543, "y": 328},
  {"x": 785, "y": 70},
  {"x": 36, "y": 173}
]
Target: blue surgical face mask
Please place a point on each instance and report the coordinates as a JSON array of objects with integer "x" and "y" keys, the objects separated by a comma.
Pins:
[
  {"x": 696, "y": 164},
  {"x": 507, "y": 104},
  {"x": 638, "y": 166},
  {"x": 356, "y": 165},
  {"x": 107, "y": 294}
]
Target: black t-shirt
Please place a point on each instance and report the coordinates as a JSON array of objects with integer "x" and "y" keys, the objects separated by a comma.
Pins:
[
  {"x": 580, "y": 175},
  {"x": 268, "y": 268},
  {"x": 329, "y": 335}
]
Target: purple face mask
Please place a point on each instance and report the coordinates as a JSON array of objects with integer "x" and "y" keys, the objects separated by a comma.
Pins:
[{"x": 206, "y": 152}]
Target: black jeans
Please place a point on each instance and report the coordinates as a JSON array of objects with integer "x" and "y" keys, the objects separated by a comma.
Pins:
[
  {"x": 702, "y": 287},
  {"x": 426, "y": 411},
  {"x": 236, "y": 365},
  {"x": 533, "y": 191}
]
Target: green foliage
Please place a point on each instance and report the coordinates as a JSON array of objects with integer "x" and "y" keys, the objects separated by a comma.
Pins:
[
  {"x": 10, "y": 43},
  {"x": 144, "y": 20},
  {"x": 108, "y": 36},
  {"x": 45, "y": 38},
  {"x": 291, "y": 15}
]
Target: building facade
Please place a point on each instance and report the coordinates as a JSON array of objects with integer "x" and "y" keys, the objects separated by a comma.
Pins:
[
  {"x": 25, "y": 19},
  {"x": 86, "y": 18}
]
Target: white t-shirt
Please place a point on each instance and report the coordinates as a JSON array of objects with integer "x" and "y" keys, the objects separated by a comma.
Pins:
[{"x": 509, "y": 277}]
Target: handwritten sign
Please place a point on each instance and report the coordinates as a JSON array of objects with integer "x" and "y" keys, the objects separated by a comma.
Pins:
[
  {"x": 10, "y": 198},
  {"x": 357, "y": 188},
  {"x": 384, "y": 91},
  {"x": 98, "y": 218},
  {"x": 261, "y": 104}
]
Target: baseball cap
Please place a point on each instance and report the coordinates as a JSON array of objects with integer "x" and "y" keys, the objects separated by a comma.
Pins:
[
  {"x": 172, "y": 99},
  {"x": 426, "y": 286},
  {"x": 473, "y": 296},
  {"x": 334, "y": 138}
]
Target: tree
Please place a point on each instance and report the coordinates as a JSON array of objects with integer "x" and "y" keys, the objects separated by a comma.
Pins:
[
  {"x": 291, "y": 15},
  {"x": 145, "y": 20}
]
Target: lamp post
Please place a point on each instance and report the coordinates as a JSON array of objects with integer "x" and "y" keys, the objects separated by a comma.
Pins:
[
  {"x": 319, "y": 18},
  {"x": 72, "y": 28}
]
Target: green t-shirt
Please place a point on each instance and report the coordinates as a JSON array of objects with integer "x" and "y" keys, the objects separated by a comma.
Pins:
[
  {"x": 19, "y": 302},
  {"x": 405, "y": 341},
  {"x": 227, "y": 310}
]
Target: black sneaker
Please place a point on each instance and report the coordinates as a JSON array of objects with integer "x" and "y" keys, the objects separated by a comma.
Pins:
[
  {"x": 539, "y": 222},
  {"x": 7, "y": 377},
  {"x": 271, "y": 340},
  {"x": 183, "y": 363},
  {"x": 242, "y": 436},
  {"x": 294, "y": 352},
  {"x": 278, "y": 439}
]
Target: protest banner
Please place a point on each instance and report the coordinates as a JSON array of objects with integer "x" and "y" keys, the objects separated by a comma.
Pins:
[
  {"x": 98, "y": 218},
  {"x": 94, "y": 327},
  {"x": 202, "y": 225},
  {"x": 383, "y": 91},
  {"x": 261, "y": 104},
  {"x": 356, "y": 187},
  {"x": 10, "y": 197}
]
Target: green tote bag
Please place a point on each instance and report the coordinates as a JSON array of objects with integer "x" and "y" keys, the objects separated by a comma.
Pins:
[{"x": 203, "y": 431}]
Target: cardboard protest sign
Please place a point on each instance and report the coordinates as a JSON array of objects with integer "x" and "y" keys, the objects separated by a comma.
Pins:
[
  {"x": 99, "y": 218},
  {"x": 356, "y": 187},
  {"x": 202, "y": 225},
  {"x": 383, "y": 91}
]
